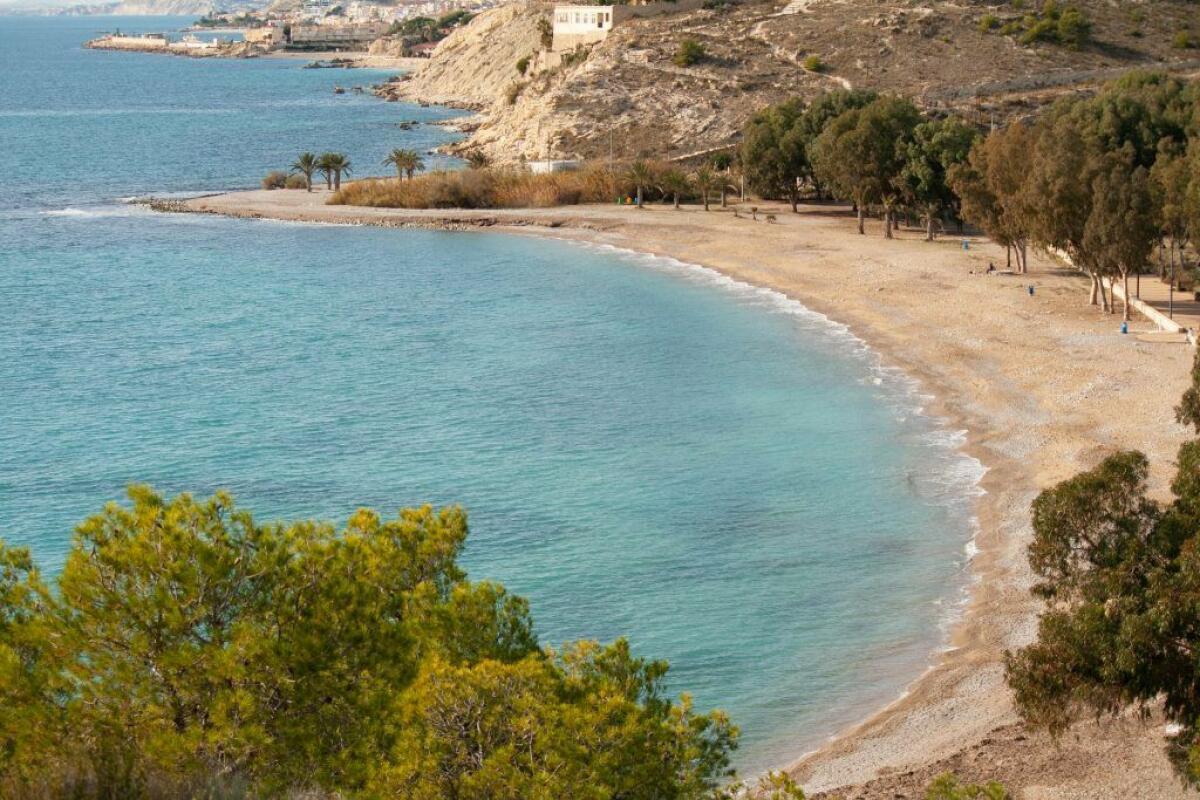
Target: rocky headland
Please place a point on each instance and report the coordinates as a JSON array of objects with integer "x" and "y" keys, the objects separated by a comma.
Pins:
[{"x": 626, "y": 97}]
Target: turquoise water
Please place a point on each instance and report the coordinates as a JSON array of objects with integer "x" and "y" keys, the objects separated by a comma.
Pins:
[{"x": 645, "y": 447}]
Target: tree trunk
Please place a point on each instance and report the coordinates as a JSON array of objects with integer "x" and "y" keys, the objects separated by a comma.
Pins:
[
  {"x": 1162, "y": 264},
  {"x": 1022, "y": 257},
  {"x": 722, "y": 195},
  {"x": 308, "y": 183},
  {"x": 887, "y": 223},
  {"x": 1008, "y": 257},
  {"x": 929, "y": 227},
  {"x": 1092, "y": 299},
  {"x": 337, "y": 180},
  {"x": 639, "y": 197},
  {"x": 675, "y": 197},
  {"x": 792, "y": 197},
  {"x": 706, "y": 199},
  {"x": 861, "y": 231},
  {"x": 1125, "y": 299}
]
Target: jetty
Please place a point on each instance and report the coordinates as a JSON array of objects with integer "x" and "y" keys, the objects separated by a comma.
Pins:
[{"x": 188, "y": 45}]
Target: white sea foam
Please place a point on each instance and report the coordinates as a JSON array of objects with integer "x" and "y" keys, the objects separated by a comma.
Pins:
[{"x": 98, "y": 212}]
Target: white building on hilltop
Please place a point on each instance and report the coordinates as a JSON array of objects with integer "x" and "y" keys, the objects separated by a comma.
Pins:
[{"x": 576, "y": 25}]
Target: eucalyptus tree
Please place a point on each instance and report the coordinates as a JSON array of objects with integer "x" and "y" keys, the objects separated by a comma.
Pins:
[
  {"x": 773, "y": 152},
  {"x": 1176, "y": 183},
  {"x": 936, "y": 149},
  {"x": 1060, "y": 170},
  {"x": 1123, "y": 225},
  {"x": 993, "y": 191},
  {"x": 861, "y": 154},
  {"x": 1119, "y": 571},
  {"x": 823, "y": 109}
]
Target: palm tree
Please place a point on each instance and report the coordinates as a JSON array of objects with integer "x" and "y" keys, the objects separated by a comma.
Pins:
[
  {"x": 406, "y": 162},
  {"x": 641, "y": 175},
  {"x": 306, "y": 165},
  {"x": 325, "y": 167},
  {"x": 675, "y": 182},
  {"x": 339, "y": 164},
  {"x": 706, "y": 180}
]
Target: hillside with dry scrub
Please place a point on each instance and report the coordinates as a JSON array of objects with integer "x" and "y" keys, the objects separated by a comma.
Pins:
[{"x": 627, "y": 96}]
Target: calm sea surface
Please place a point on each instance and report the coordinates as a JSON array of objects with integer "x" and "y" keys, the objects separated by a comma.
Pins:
[{"x": 645, "y": 448}]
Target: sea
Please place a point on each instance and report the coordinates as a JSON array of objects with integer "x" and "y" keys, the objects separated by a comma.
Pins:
[{"x": 646, "y": 448}]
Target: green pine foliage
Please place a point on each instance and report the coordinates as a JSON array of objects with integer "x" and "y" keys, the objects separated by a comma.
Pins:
[{"x": 190, "y": 650}]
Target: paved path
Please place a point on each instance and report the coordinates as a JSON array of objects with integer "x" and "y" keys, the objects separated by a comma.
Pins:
[{"x": 1157, "y": 294}]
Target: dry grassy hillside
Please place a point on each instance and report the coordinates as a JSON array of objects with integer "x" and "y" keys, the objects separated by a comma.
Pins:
[{"x": 627, "y": 95}]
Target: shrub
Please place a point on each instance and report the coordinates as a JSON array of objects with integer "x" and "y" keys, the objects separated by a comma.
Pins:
[
  {"x": 276, "y": 179},
  {"x": 1069, "y": 26},
  {"x": 948, "y": 787},
  {"x": 989, "y": 22},
  {"x": 814, "y": 64},
  {"x": 487, "y": 188},
  {"x": 1039, "y": 30},
  {"x": 690, "y": 51},
  {"x": 1073, "y": 28},
  {"x": 1183, "y": 41},
  {"x": 296, "y": 181},
  {"x": 523, "y": 64},
  {"x": 576, "y": 56}
]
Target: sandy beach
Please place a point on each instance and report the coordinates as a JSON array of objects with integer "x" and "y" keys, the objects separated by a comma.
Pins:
[{"x": 1043, "y": 384}]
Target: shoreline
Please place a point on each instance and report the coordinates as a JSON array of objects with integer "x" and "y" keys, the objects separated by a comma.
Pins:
[{"x": 1032, "y": 381}]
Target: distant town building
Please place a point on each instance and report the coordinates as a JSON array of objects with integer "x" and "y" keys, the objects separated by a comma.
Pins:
[
  {"x": 352, "y": 36},
  {"x": 269, "y": 36}
]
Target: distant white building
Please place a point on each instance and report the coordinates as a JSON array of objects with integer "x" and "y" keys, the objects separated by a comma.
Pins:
[
  {"x": 546, "y": 166},
  {"x": 576, "y": 25}
]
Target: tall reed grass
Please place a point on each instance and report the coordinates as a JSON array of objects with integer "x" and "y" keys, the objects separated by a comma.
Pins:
[{"x": 488, "y": 188}]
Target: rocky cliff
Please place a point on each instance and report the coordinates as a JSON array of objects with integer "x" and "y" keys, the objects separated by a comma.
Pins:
[{"x": 627, "y": 97}]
